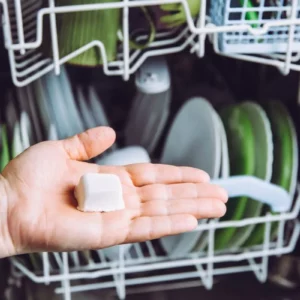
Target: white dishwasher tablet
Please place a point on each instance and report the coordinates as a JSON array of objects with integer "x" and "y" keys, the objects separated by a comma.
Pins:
[{"x": 99, "y": 193}]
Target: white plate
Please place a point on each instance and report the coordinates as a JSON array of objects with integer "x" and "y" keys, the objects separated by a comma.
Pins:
[
  {"x": 98, "y": 110},
  {"x": 11, "y": 113},
  {"x": 17, "y": 147},
  {"x": 34, "y": 113},
  {"x": 193, "y": 140},
  {"x": 125, "y": 156},
  {"x": 26, "y": 130},
  {"x": 225, "y": 164},
  {"x": 22, "y": 100},
  {"x": 86, "y": 113},
  {"x": 224, "y": 173},
  {"x": 68, "y": 96},
  {"x": 52, "y": 133},
  {"x": 57, "y": 102},
  {"x": 43, "y": 107}
]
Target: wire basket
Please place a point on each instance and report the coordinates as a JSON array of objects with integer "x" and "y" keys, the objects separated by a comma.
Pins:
[
  {"x": 24, "y": 33},
  {"x": 245, "y": 12}
]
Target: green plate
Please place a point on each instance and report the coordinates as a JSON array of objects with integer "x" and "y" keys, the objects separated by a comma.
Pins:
[
  {"x": 282, "y": 129},
  {"x": 5, "y": 157},
  {"x": 263, "y": 147},
  {"x": 241, "y": 155}
]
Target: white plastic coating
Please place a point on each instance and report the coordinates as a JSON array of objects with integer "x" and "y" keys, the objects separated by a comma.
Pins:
[{"x": 273, "y": 195}]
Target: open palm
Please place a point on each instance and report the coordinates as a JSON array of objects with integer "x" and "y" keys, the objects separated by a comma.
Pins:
[{"x": 41, "y": 210}]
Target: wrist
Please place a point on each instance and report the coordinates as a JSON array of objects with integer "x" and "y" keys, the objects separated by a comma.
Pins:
[{"x": 6, "y": 244}]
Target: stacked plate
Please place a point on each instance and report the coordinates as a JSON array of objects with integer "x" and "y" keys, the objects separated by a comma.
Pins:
[{"x": 245, "y": 139}]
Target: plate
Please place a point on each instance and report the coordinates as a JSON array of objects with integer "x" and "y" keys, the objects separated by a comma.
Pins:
[
  {"x": 98, "y": 110},
  {"x": 34, "y": 113},
  {"x": 44, "y": 111},
  {"x": 263, "y": 148},
  {"x": 26, "y": 131},
  {"x": 5, "y": 157},
  {"x": 17, "y": 147},
  {"x": 225, "y": 164},
  {"x": 11, "y": 114},
  {"x": 68, "y": 96},
  {"x": 52, "y": 133},
  {"x": 86, "y": 113},
  {"x": 242, "y": 158},
  {"x": 285, "y": 160},
  {"x": 224, "y": 173},
  {"x": 194, "y": 123},
  {"x": 55, "y": 98}
]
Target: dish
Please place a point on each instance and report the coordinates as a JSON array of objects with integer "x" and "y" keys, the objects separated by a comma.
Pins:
[
  {"x": 57, "y": 103},
  {"x": 17, "y": 147},
  {"x": 241, "y": 144},
  {"x": 43, "y": 109},
  {"x": 26, "y": 130},
  {"x": 125, "y": 156},
  {"x": 5, "y": 157},
  {"x": 52, "y": 133},
  {"x": 285, "y": 160},
  {"x": 86, "y": 113},
  {"x": 224, "y": 173},
  {"x": 34, "y": 113},
  {"x": 225, "y": 165},
  {"x": 195, "y": 116},
  {"x": 76, "y": 123},
  {"x": 11, "y": 113},
  {"x": 98, "y": 110},
  {"x": 263, "y": 151}
]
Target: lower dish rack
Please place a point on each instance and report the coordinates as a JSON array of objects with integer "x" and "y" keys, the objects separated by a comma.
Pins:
[{"x": 146, "y": 263}]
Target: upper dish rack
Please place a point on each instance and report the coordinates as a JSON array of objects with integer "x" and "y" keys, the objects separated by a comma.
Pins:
[
  {"x": 23, "y": 31},
  {"x": 264, "y": 33}
]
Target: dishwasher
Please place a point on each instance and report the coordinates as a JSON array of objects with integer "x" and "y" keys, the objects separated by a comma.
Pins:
[{"x": 207, "y": 84}]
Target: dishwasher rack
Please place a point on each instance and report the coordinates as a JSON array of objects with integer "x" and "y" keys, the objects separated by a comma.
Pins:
[
  {"x": 272, "y": 41},
  {"x": 137, "y": 266}
]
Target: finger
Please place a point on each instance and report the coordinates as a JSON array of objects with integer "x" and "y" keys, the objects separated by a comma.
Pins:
[
  {"x": 145, "y": 174},
  {"x": 149, "y": 228},
  {"x": 205, "y": 208},
  {"x": 181, "y": 191},
  {"x": 89, "y": 144}
]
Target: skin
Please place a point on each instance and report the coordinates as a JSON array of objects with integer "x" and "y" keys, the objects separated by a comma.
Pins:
[{"x": 38, "y": 210}]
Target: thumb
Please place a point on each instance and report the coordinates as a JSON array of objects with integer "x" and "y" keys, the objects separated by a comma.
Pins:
[{"x": 89, "y": 144}]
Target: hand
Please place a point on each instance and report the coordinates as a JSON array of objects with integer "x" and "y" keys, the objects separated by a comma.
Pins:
[{"x": 39, "y": 210}]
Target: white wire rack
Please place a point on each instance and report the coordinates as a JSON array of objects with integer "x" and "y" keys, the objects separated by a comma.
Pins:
[
  {"x": 277, "y": 37},
  {"x": 146, "y": 264},
  {"x": 275, "y": 40},
  {"x": 23, "y": 32}
]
